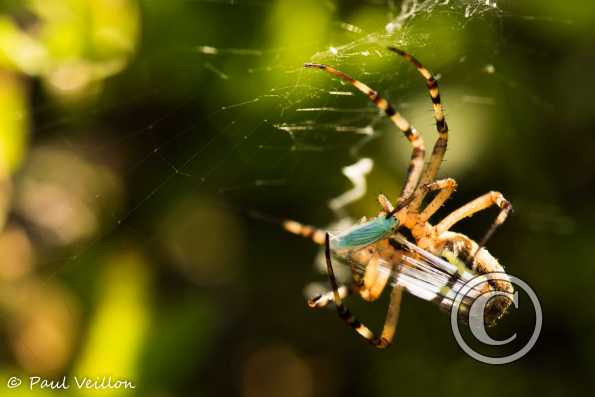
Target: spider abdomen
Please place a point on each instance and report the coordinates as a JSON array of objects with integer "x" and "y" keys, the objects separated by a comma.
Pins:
[{"x": 461, "y": 251}]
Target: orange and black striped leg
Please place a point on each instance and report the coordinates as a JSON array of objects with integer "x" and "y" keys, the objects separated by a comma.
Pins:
[
  {"x": 392, "y": 317},
  {"x": 417, "y": 156},
  {"x": 479, "y": 204},
  {"x": 328, "y": 297},
  {"x": 441, "y": 126},
  {"x": 306, "y": 231},
  {"x": 447, "y": 187}
]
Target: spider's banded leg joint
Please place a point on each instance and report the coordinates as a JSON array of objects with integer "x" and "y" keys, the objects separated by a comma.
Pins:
[
  {"x": 505, "y": 210},
  {"x": 479, "y": 204},
  {"x": 390, "y": 111},
  {"x": 362, "y": 330},
  {"x": 417, "y": 156},
  {"x": 306, "y": 231},
  {"x": 381, "y": 343},
  {"x": 441, "y": 125},
  {"x": 313, "y": 302},
  {"x": 322, "y": 300},
  {"x": 315, "y": 65}
]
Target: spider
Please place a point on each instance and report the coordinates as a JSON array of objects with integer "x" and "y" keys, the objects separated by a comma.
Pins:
[{"x": 379, "y": 256}]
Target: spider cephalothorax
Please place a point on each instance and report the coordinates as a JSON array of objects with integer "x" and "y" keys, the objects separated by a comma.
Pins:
[{"x": 438, "y": 262}]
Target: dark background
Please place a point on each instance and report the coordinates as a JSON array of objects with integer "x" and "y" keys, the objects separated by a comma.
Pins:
[{"x": 136, "y": 136}]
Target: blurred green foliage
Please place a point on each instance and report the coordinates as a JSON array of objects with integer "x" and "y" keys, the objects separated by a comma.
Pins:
[{"x": 136, "y": 136}]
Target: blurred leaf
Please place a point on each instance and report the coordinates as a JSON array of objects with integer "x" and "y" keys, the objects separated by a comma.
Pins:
[
  {"x": 120, "y": 324},
  {"x": 19, "y": 50},
  {"x": 14, "y": 115}
]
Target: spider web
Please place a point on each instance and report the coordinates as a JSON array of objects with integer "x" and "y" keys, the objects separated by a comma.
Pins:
[
  {"x": 215, "y": 120},
  {"x": 320, "y": 115},
  {"x": 252, "y": 127}
]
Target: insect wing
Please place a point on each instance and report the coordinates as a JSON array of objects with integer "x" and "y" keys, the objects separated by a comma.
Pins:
[{"x": 432, "y": 278}]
